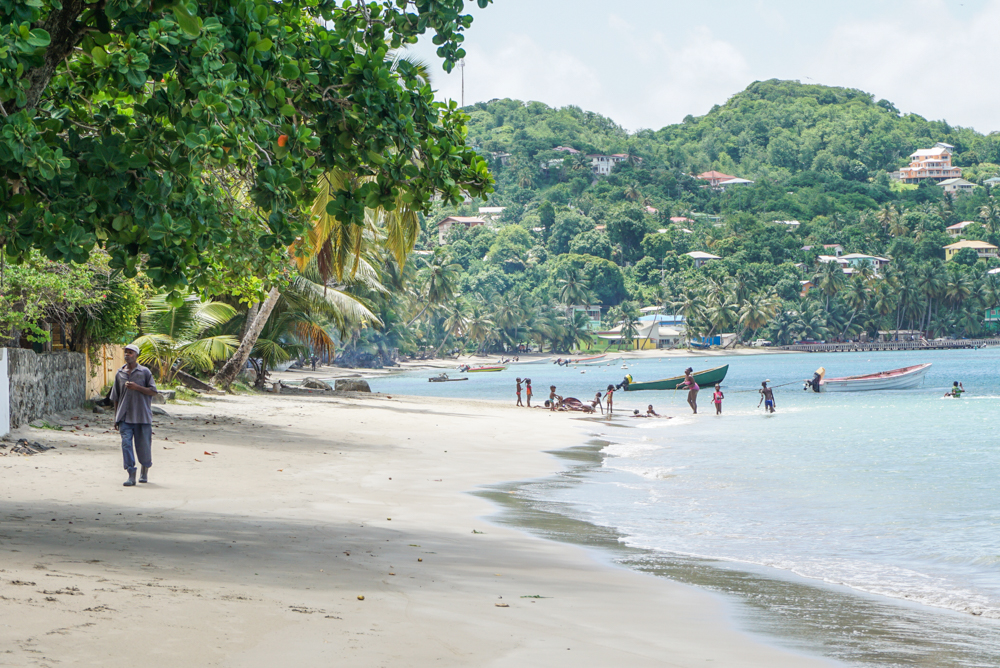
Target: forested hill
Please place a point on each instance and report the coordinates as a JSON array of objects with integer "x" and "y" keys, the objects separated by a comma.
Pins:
[
  {"x": 819, "y": 157},
  {"x": 773, "y": 129}
]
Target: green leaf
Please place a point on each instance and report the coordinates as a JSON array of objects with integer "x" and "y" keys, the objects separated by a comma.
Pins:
[
  {"x": 187, "y": 21},
  {"x": 290, "y": 71},
  {"x": 138, "y": 161},
  {"x": 39, "y": 37},
  {"x": 100, "y": 56},
  {"x": 288, "y": 110},
  {"x": 264, "y": 44}
]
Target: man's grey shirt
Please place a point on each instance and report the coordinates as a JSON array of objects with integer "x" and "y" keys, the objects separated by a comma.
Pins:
[{"x": 133, "y": 407}]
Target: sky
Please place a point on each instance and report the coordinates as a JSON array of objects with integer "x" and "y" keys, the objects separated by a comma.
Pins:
[{"x": 650, "y": 63}]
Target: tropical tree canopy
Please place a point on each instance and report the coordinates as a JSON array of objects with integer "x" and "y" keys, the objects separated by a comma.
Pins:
[{"x": 184, "y": 132}]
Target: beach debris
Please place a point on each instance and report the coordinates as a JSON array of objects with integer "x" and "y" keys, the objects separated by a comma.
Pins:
[
  {"x": 501, "y": 605},
  {"x": 26, "y": 447},
  {"x": 474, "y": 531},
  {"x": 419, "y": 559},
  {"x": 360, "y": 597},
  {"x": 196, "y": 459},
  {"x": 159, "y": 411},
  {"x": 391, "y": 573},
  {"x": 535, "y": 596},
  {"x": 211, "y": 454},
  {"x": 98, "y": 410}
]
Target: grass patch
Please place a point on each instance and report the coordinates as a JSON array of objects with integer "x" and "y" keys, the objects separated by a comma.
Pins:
[
  {"x": 47, "y": 425},
  {"x": 182, "y": 392}
]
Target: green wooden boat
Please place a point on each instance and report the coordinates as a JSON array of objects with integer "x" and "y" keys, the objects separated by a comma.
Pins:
[{"x": 706, "y": 378}]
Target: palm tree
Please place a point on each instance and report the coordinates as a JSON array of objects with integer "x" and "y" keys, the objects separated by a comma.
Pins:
[
  {"x": 455, "y": 323},
  {"x": 886, "y": 216},
  {"x": 440, "y": 280},
  {"x": 930, "y": 284},
  {"x": 632, "y": 192},
  {"x": 174, "y": 335},
  {"x": 989, "y": 213},
  {"x": 757, "y": 312},
  {"x": 479, "y": 327},
  {"x": 856, "y": 299},
  {"x": 830, "y": 279},
  {"x": 573, "y": 287}
]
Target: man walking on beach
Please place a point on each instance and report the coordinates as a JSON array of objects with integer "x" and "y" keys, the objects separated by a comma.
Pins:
[
  {"x": 767, "y": 396},
  {"x": 132, "y": 395}
]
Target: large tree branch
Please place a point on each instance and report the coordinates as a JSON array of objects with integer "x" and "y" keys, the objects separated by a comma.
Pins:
[{"x": 65, "y": 33}]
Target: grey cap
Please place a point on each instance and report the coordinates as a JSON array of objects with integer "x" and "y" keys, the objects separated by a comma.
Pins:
[{"x": 134, "y": 348}]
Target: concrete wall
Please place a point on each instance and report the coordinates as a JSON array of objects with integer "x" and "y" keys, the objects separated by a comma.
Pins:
[
  {"x": 4, "y": 394},
  {"x": 102, "y": 367},
  {"x": 39, "y": 385}
]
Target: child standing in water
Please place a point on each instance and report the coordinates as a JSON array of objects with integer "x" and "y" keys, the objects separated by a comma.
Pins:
[
  {"x": 692, "y": 387},
  {"x": 609, "y": 399},
  {"x": 519, "y": 393},
  {"x": 717, "y": 398}
]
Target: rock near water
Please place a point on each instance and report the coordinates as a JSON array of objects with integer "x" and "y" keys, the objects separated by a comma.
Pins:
[{"x": 352, "y": 385}]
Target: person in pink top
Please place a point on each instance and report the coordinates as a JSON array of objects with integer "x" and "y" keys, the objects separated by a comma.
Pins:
[
  {"x": 717, "y": 398},
  {"x": 693, "y": 388}
]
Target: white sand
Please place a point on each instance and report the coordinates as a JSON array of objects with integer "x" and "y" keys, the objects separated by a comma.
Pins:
[{"x": 256, "y": 556}]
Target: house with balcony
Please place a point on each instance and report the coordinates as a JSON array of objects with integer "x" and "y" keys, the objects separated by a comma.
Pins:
[
  {"x": 955, "y": 187},
  {"x": 714, "y": 178},
  {"x": 984, "y": 250},
  {"x": 602, "y": 164},
  {"x": 930, "y": 163},
  {"x": 958, "y": 229},
  {"x": 444, "y": 227},
  {"x": 701, "y": 258}
]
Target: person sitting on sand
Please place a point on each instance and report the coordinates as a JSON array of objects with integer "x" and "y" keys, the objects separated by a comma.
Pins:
[
  {"x": 956, "y": 390},
  {"x": 650, "y": 411}
]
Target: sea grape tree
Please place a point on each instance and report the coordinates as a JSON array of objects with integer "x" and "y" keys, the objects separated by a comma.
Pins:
[{"x": 190, "y": 137}]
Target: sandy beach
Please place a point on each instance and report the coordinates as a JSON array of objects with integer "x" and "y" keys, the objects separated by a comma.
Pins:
[{"x": 267, "y": 518}]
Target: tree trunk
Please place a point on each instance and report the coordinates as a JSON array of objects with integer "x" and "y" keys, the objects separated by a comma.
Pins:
[
  {"x": 251, "y": 316},
  {"x": 65, "y": 33},
  {"x": 227, "y": 374}
]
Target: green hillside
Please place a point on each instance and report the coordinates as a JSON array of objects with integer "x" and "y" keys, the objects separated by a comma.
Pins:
[{"x": 818, "y": 155}]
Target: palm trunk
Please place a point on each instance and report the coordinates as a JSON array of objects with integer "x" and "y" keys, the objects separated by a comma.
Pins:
[
  {"x": 251, "y": 315},
  {"x": 418, "y": 315},
  {"x": 227, "y": 374}
]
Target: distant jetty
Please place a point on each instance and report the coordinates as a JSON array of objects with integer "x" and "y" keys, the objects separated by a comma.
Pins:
[{"x": 875, "y": 346}]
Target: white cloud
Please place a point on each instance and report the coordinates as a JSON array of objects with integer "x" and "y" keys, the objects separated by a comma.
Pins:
[
  {"x": 924, "y": 61},
  {"x": 523, "y": 70}
]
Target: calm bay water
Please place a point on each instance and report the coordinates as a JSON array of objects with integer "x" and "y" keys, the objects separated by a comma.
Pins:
[{"x": 891, "y": 495}]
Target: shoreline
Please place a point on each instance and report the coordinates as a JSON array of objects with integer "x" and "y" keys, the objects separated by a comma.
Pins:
[
  {"x": 258, "y": 549},
  {"x": 796, "y": 612}
]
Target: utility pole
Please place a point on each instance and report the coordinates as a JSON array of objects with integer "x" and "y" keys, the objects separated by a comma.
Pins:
[{"x": 461, "y": 66}]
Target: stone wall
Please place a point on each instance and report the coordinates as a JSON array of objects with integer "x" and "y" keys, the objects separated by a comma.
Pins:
[{"x": 43, "y": 384}]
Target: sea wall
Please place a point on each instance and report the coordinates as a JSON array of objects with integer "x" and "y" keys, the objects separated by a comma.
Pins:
[
  {"x": 4, "y": 394},
  {"x": 38, "y": 385}
]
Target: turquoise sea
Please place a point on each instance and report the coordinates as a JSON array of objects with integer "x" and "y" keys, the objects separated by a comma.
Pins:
[{"x": 863, "y": 526}]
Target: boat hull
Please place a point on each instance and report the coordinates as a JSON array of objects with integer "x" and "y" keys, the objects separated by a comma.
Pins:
[
  {"x": 708, "y": 377},
  {"x": 485, "y": 369},
  {"x": 905, "y": 378}
]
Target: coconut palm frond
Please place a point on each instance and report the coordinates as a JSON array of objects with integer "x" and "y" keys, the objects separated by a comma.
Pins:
[
  {"x": 351, "y": 309},
  {"x": 202, "y": 353}
]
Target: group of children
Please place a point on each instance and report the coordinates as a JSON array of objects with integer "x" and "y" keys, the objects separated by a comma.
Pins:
[{"x": 557, "y": 402}]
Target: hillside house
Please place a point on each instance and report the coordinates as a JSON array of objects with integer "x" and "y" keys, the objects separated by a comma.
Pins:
[
  {"x": 729, "y": 183},
  {"x": 836, "y": 249},
  {"x": 992, "y": 181},
  {"x": 444, "y": 227},
  {"x": 983, "y": 250},
  {"x": 930, "y": 163},
  {"x": 859, "y": 260},
  {"x": 602, "y": 164},
  {"x": 955, "y": 187},
  {"x": 492, "y": 212},
  {"x": 701, "y": 258},
  {"x": 714, "y": 178},
  {"x": 958, "y": 229},
  {"x": 567, "y": 149}
]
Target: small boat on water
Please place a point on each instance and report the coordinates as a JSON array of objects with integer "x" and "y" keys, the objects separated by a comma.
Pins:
[
  {"x": 602, "y": 362},
  {"x": 705, "y": 378},
  {"x": 478, "y": 369},
  {"x": 443, "y": 378},
  {"x": 905, "y": 378},
  {"x": 588, "y": 359}
]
